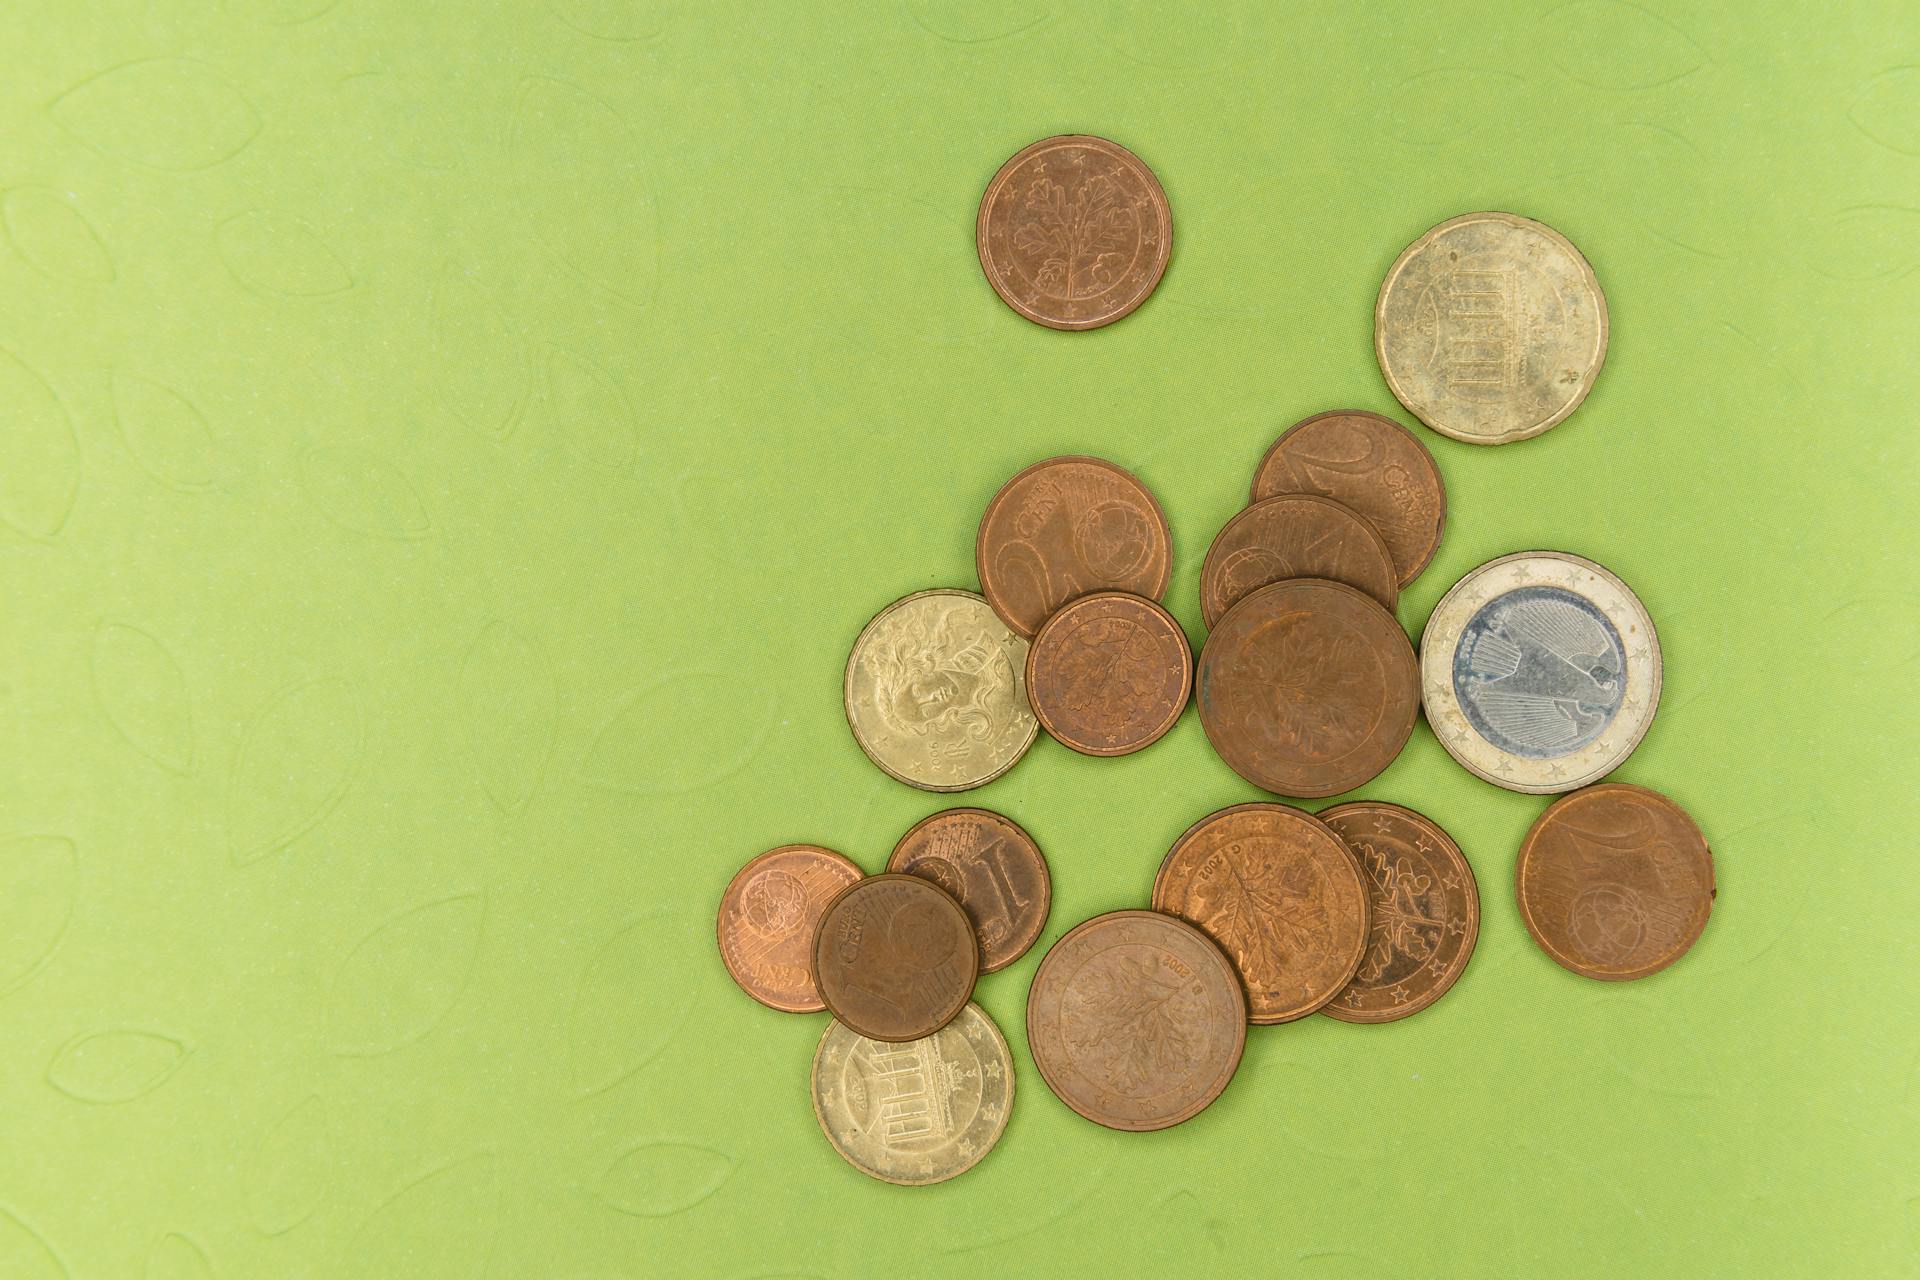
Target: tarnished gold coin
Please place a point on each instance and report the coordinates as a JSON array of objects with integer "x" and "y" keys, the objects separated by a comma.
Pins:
[
  {"x": 919, "y": 1112},
  {"x": 936, "y": 691},
  {"x": 1491, "y": 327}
]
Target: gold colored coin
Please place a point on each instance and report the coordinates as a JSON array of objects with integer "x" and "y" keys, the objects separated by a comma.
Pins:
[
  {"x": 936, "y": 691},
  {"x": 919, "y": 1112},
  {"x": 1490, "y": 328}
]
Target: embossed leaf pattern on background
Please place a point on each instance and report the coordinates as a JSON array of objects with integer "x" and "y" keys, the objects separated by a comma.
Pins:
[{"x": 1122, "y": 1015}]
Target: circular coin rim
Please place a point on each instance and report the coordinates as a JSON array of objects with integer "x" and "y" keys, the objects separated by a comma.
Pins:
[
  {"x": 1517, "y": 222},
  {"x": 1449, "y": 723},
  {"x": 726, "y": 898},
  {"x": 1210, "y": 565},
  {"x": 1459, "y": 967},
  {"x": 999, "y": 499},
  {"x": 1412, "y": 571},
  {"x": 1571, "y": 965},
  {"x": 1292, "y": 1013},
  {"x": 944, "y": 1173},
  {"x": 819, "y": 937},
  {"x": 1033, "y": 847},
  {"x": 1159, "y": 731},
  {"x": 1318, "y": 792},
  {"x": 846, "y": 697},
  {"x": 1094, "y": 142},
  {"x": 1240, "y": 1036}
]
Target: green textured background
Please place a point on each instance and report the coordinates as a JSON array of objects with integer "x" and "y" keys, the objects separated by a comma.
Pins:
[{"x": 445, "y": 456}]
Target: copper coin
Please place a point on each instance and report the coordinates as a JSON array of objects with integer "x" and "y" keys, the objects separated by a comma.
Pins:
[
  {"x": 1109, "y": 673},
  {"x": 1136, "y": 1020},
  {"x": 1065, "y": 527},
  {"x": 1615, "y": 881},
  {"x": 994, "y": 871},
  {"x": 1074, "y": 232},
  {"x": 1294, "y": 535},
  {"x": 895, "y": 957},
  {"x": 767, "y": 918},
  {"x": 1370, "y": 464},
  {"x": 1423, "y": 911},
  {"x": 1280, "y": 894},
  {"x": 1308, "y": 688}
]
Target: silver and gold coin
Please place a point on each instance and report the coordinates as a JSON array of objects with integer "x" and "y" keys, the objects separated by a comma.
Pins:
[
  {"x": 919, "y": 1112},
  {"x": 1540, "y": 671},
  {"x": 1490, "y": 328},
  {"x": 936, "y": 691}
]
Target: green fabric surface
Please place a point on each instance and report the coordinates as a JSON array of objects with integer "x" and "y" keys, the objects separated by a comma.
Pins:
[{"x": 447, "y": 451}]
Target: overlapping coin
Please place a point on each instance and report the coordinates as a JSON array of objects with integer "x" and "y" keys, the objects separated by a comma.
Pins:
[
  {"x": 1109, "y": 673},
  {"x": 916, "y": 1112},
  {"x": 1491, "y": 327},
  {"x": 895, "y": 957},
  {"x": 1540, "y": 671},
  {"x": 935, "y": 692},
  {"x": 992, "y": 868},
  {"x": 1295, "y": 535},
  {"x": 767, "y": 918},
  {"x": 1615, "y": 882}
]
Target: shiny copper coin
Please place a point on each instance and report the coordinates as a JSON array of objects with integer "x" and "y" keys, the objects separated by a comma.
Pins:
[
  {"x": 1371, "y": 465},
  {"x": 1294, "y": 535},
  {"x": 767, "y": 918},
  {"x": 1615, "y": 881},
  {"x": 1074, "y": 232},
  {"x": 1109, "y": 673},
  {"x": 895, "y": 957},
  {"x": 1308, "y": 688},
  {"x": 1065, "y": 527},
  {"x": 1423, "y": 911},
  {"x": 992, "y": 868},
  {"x": 1136, "y": 1020},
  {"x": 1280, "y": 894}
]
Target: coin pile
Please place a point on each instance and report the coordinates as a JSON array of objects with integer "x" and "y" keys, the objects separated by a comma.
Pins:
[{"x": 1538, "y": 671}]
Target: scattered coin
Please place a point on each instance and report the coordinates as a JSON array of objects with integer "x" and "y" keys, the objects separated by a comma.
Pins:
[
  {"x": 1294, "y": 535},
  {"x": 1614, "y": 882},
  {"x": 1136, "y": 1020},
  {"x": 1371, "y": 465},
  {"x": 1308, "y": 688},
  {"x": 936, "y": 692},
  {"x": 1423, "y": 911},
  {"x": 766, "y": 922},
  {"x": 1109, "y": 673},
  {"x": 1491, "y": 328},
  {"x": 1074, "y": 232},
  {"x": 917, "y": 1112},
  {"x": 992, "y": 868},
  {"x": 1540, "y": 671},
  {"x": 895, "y": 957},
  {"x": 1065, "y": 527},
  {"x": 1280, "y": 894}
]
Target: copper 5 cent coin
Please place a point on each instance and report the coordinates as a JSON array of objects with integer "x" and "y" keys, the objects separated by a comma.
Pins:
[
  {"x": 1136, "y": 1020},
  {"x": 1615, "y": 882},
  {"x": 1064, "y": 527},
  {"x": 1074, "y": 232},
  {"x": 1294, "y": 535},
  {"x": 1370, "y": 464},
  {"x": 1281, "y": 895},
  {"x": 767, "y": 918},
  {"x": 895, "y": 957},
  {"x": 1423, "y": 911},
  {"x": 1109, "y": 673},
  {"x": 992, "y": 868},
  {"x": 1308, "y": 688}
]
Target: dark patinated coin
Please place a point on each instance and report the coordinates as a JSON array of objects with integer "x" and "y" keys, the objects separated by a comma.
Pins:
[
  {"x": 895, "y": 957},
  {"x": 1370, "y": 464},
  {"x": 1423, "y": 911},
  {"x": 1109, "y": 673},
  {"x": 1614, "y": 882},
  {"x": 1308, "y": 688},
  {"x": 1294, "y": 535},
  {"x": 992, "y": 868}
]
